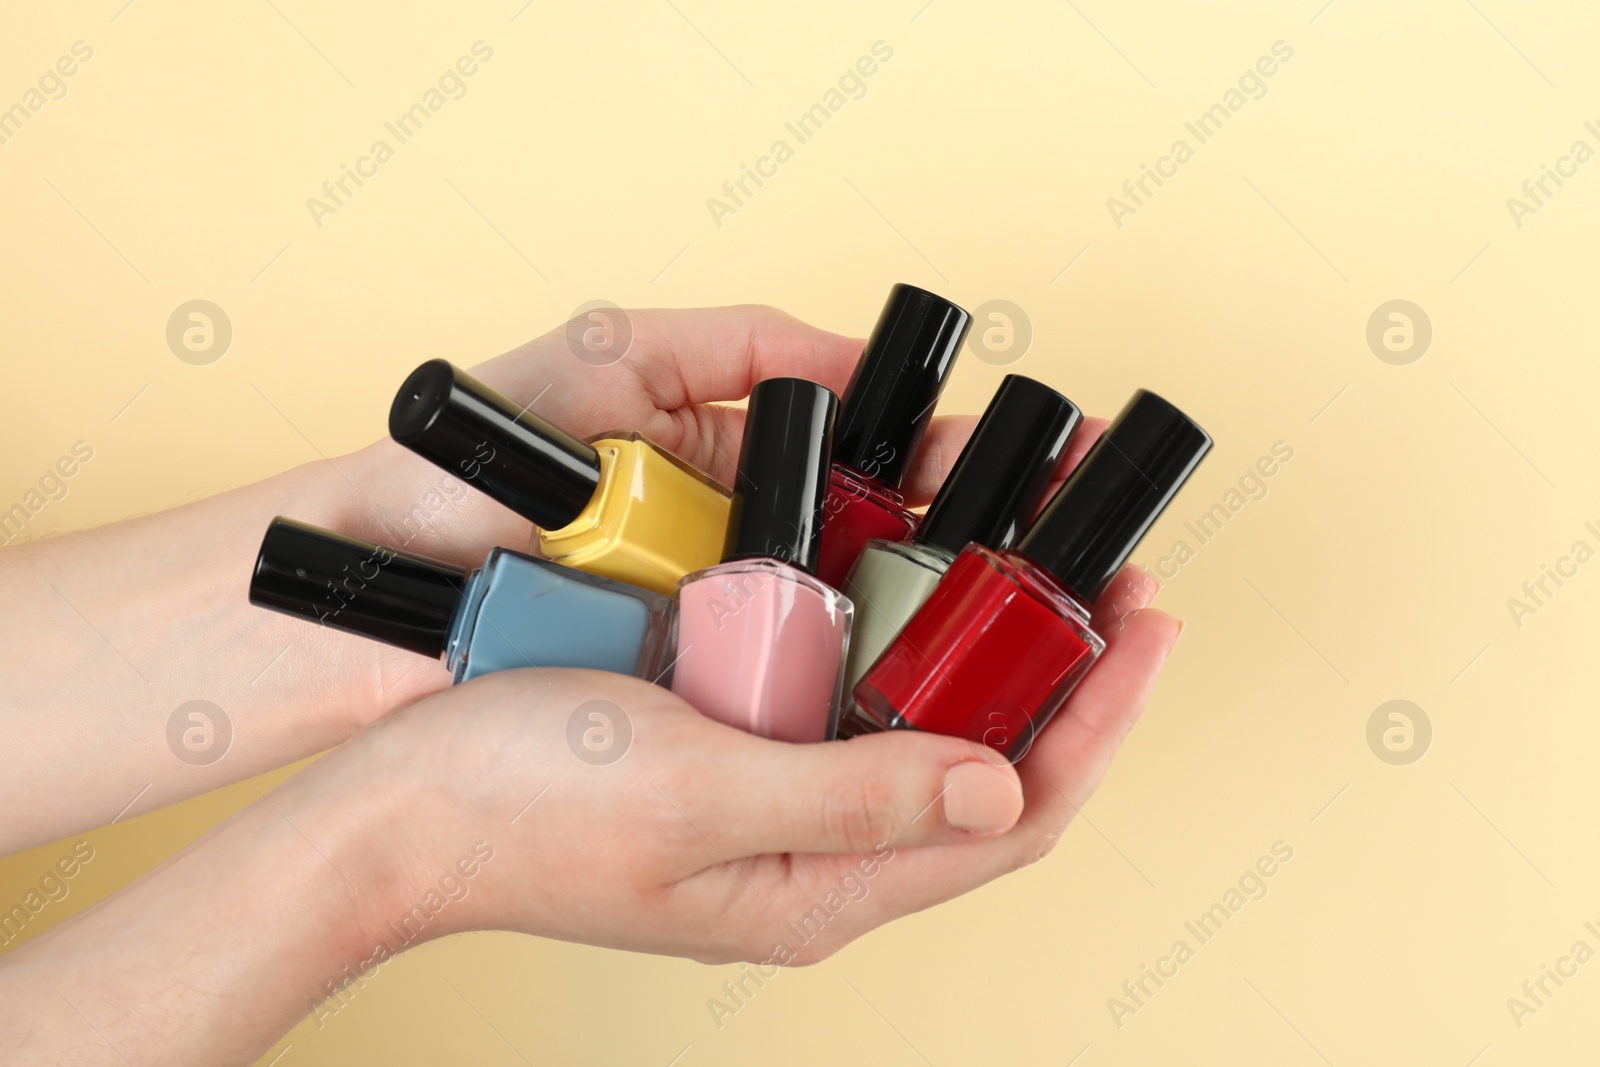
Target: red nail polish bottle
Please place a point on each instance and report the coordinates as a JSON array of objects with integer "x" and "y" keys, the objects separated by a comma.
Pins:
[
  {"x": 885, "y": 410},
  {"x": 1005, "y": 637},
  {"x": 990, "y": 496}
]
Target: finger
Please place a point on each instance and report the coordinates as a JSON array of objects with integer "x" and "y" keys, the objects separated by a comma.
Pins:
[
  {"x": 896, "y": 789},
  {"x": 1133, "y": 589},
  {"x": 682, "y": 355},
  {"x": 701, "y": 355},
  {"x": 1070, "y": 758},
  {"x": 688, "y": 360},
  {"x": 938, "y": 451},
  {"x": 677, "y": 365},
  {"x": 1060, "y": 773}
]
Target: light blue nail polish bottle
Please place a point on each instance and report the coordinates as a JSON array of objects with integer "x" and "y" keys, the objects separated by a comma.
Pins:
[{"x": 514, "y": 611}]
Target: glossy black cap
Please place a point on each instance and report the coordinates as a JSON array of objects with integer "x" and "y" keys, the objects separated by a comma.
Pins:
[
  {"x": 889, "y": 401},
  {"x": 356, "y": 586},
  {"x": 483, "y": 437},
  {"x": 1091, "y": 526},
  {"x": 1000, "y": 477},
  {"x": 783, "y": 474}
]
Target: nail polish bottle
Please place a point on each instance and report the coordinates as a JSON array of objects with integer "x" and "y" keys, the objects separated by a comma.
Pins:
[
  {"x": 886, "y": 408},
  {"x": 1005, "y": 636},
  {"x": 619, "y": 505},
  {"x": 992, "y": 491},
  {"x": 514, "y": 611},
  {"x": 760, "y": 641}
]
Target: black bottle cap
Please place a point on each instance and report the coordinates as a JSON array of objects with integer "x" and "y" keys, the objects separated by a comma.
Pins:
[
  {"x": 536, "y": 469},
  {"x": 783, "y": 473},
  {"x": 889, "y": 401},
  {"x": 1000, "y": 477},
  {"x": 1090, "y": 527},
  {"x": 356, "y": 586}
]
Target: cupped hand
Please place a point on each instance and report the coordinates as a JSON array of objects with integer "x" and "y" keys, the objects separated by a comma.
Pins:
[{"x": 617, "y": 815}]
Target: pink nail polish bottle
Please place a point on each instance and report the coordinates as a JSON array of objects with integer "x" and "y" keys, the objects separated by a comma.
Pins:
[{"x": 760, "y": 640}]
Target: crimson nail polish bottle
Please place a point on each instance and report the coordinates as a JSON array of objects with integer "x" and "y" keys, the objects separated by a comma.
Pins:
[
  {"x": 988, "y": 498},
  {"x": 885, "y": 410},
  {"x": 1005, "y": 636}
]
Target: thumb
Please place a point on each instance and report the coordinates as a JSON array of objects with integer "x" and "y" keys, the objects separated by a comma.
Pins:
[{"x": 899, "y": 788}]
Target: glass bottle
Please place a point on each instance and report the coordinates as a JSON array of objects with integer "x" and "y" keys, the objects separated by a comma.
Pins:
[
  {"x": 886, "y": 408},
  {"x": 618, "y": 505},
  {"x": 1005, "y": 636},
  {"x": 514, "y": 611},
  {"x": 992, "y": 490},
  {"x": 760, "y": 641},
  {"x": 650, "y": 520}
]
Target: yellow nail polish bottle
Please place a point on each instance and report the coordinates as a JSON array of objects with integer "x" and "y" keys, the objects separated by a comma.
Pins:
[
  {"x": 618, "y": 505},
  {"x": 652, "y": 519}
]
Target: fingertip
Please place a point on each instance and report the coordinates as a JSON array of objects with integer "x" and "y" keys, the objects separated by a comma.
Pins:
[
  {"x": 1148, "y": 624},
  {"x": 950, "y": 789},
  {"x": 982, "y": 798},
  {"x": 947, "y": 435},
  {"x": 1131, "y": 591}
]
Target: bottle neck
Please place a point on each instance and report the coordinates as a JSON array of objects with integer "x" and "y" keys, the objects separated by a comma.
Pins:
[
  {"x": 933, "y": 557},
  {"x": 465, "y": 619},
  {"x": 634, "y": 437},
  {"x": 864, "y": 485},
  {"x": 1035, "y": 579}
]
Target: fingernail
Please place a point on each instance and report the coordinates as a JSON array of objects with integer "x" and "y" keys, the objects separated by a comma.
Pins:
[
  {"x": 1181, "y": 625},
  {"x": 981, "y": 798}
]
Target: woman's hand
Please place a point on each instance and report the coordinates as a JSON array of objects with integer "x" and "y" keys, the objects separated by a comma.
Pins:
[
  {"x": 569, "y": 804},
  {"x": 676, "y": 834}
]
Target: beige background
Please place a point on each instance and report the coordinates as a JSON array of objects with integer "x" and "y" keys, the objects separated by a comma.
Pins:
[{"x": 1377, "y": 166}]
